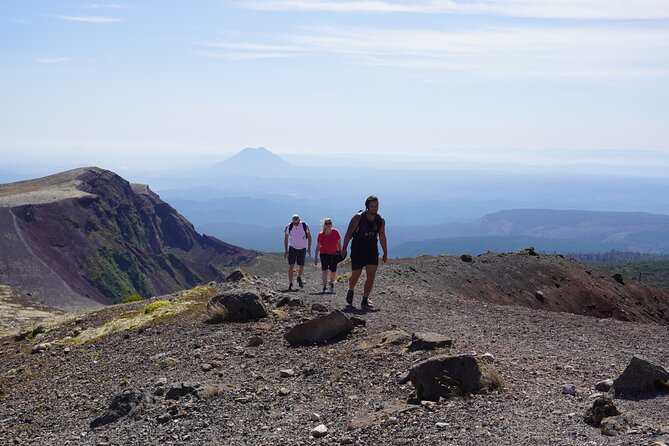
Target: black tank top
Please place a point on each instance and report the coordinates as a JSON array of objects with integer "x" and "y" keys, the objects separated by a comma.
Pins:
[{"x": 366, "y": 234}]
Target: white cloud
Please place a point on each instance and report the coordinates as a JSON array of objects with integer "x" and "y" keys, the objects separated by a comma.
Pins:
[
  {"x": 562, "y": 9},
  {"x": 88, "y": 19},
  {"x": 587, "y": 52},
  {"x": 50, "y": 60}
]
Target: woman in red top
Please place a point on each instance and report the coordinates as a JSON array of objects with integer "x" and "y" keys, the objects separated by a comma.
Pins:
[{"x": 329, "y": 243}]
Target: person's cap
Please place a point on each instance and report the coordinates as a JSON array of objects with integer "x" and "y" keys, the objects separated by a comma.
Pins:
[{"x": 296, "y": 216}]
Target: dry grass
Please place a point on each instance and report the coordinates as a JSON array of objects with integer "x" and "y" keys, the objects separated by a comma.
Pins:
[
  {"x": 494, "y": 378},
  {"x": 217, "y": 314}
]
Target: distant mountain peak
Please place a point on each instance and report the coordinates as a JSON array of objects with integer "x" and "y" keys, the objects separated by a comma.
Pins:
[{"x": 254, "y": 161}]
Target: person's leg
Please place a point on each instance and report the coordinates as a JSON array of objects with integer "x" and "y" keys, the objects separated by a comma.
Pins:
[
  {"x": 291, "y": 266},
  {"x": 333, "y": 275},
  {"x": 369, "y": 283},
  {"x": 353, "y": 280},
  {"x": 290, "y": 273},
  {"x": 301, "y": 255},
  {"x": 324, "y": 278}
]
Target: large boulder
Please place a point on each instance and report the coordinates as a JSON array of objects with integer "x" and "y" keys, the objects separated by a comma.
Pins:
[
  {"x": 239, "y": 305},
  {"x": 446, "y": 376},
  {"x": 640, "y": 378},
  {"x": 429, "y": 341},
  {"x": 124, "y": 404},
  {"x": 319, "y": 330}
]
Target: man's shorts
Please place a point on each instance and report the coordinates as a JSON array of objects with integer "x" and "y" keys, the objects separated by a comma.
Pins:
[
  {"x": 361, "y": 259},
  {"x": 328, "y": 263},
  {"x": 296, "y": 255}
]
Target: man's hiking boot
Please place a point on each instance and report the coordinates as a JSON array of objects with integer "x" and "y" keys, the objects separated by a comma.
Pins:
[
  {"x": 324, "y": 289},
  {"x": 331, "y": 287},
  {"x": 365, "y": 303},
  {"x": 290, "y": 286},
  {"x": 299, "y": 281},
  {"x": 349, "y": 297}
]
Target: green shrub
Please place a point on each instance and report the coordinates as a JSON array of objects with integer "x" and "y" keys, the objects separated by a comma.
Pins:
[
  {"x": 467, "y": 258},
  {"x": 153, "y": 306},
  {"x": 132, "y": 298}
]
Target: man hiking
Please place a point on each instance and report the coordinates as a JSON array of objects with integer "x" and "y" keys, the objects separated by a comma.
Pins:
[
  {"x": 366, "y": 229},
  {"x": 297, "y": 244}
]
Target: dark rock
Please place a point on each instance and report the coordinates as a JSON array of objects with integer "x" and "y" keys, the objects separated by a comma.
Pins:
[
  {"x": 319, "y": 330},
  {"x": 619, "y": 278},
  {"x": 178, "y": 390},
  {"x": 539, "y": 295},
  {"x": 601, "y": 408},
  {"x": 240, "y": 305},
  {"x": 448, "y": 376},
  {"x": 640, "y": 378},
  {"x": 429, "y": 341},
  {"x": 254, "y": 341},
  {"x": 569, "y": 389},
  {"x": 604, "y": 386},
  {"x": 236, "y": 276},
  {"x": 403, "y": 378},
  {"x": 164, "y": 418},
  {"x": 127, "y": 403},
  {"x": 289, "y": 301},
  {"x": 467, "y": 258}
]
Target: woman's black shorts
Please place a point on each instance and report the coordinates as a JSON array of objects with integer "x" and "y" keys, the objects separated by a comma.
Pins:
[{"x": 327, "y": 262}]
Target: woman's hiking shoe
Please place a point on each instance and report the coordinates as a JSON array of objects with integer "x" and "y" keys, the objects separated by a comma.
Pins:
[
  {"x": 365, "y": 303},
  {"x": 324, "y": 290},
  {"x": 331, "y": 287},
  {"x": 299, "y": 281},
  {"x": 349, "y": 297},
  {"x": 290, "y": 286}
]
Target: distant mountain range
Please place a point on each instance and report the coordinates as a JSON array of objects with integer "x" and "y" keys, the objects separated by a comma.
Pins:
[
  {"x": 87, "y": 236},
  {"x": 545, "y": 229}
]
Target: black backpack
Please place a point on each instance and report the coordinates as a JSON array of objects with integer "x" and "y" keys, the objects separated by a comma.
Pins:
[
  {"x": 367, "y": 230},
  {"x": 304, "y": 227}
]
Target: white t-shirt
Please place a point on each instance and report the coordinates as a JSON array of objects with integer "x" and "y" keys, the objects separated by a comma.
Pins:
[{"x": 297, "y": 238}]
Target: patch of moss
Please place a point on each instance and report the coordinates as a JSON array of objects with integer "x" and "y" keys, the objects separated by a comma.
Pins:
[
  {"x": 153, "y": 306},
  {"x": 117, "y": 274}
]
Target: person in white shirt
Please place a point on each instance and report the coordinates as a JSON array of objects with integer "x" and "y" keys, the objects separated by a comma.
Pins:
[{"x": 297, "y": 244}]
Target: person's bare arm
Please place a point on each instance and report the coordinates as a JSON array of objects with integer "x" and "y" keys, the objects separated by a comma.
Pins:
[
  {"x": 349, "y": 233},
  {"x": 384, "y": 242},
  {"x": 318, "y": 248},
  {"x": 309, "y": 239},
  {"x": 285, "y": 245}
]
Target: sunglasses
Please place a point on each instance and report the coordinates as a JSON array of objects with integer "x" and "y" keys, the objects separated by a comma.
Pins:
[{"x": 329, "y": 223}]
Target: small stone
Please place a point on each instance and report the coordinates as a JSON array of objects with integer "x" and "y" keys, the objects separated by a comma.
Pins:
[
  {"x": 164, "y": 418},
  {"x": 319, "y": 308},
  {"x": 569, "y": 389},
  {"x": 254, "y": 341},
  {"x": 284, "y": 391},
  {"x": 159, "y": 391},
  {"x": 287, "y": 373},
  {"x": 207, "y": 367},
  {"x": 67, "y": 350},
  {"x": 539, "y": 295},
  {"x": 429, "y": 405},
  {"x": 487, "y": 358},
  {"x": 319, "y": 431},
  {"x": 616, "y": 425},
  {"x": 161, "y": 382},
  {"x": 403, "y": 378},
  {"x": 605, "y": 385},
  {"x": 39, "y": 348},
  {"x": 346, "y": 440},
  {"x": 442, "y": 426},
  {"x": 315, "y": 417}
]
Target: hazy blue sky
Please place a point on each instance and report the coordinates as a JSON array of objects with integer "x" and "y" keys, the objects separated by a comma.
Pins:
[{"x": 325, "y": 76}]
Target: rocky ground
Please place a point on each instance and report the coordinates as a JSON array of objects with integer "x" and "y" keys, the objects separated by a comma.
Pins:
[{"x": 246, "y": 386}]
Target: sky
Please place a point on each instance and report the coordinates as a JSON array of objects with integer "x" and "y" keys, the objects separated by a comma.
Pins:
[{"x": 211, "y": 77}]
